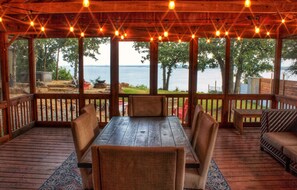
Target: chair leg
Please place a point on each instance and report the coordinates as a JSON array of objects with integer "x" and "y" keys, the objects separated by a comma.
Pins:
[{"x": 288, "y": 161}]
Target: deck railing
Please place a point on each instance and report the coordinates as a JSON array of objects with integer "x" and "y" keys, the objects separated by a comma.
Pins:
[
  {"x": 286, "y": 102},
  {"x": 250, "y": 101},
  {"x": 21, "y": 113},
  {"x": 61, "y": 109},
  {"x": 3, "y": 129}
]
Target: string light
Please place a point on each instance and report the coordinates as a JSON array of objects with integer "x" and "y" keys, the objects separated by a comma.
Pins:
[
  {"x": 71, "y": 29},
  {"x": 257, "y": 30},
  {"x": 152, "y": 39},
  {"x": 31, "y": 23},
  {"x": 82, "y": 34},
  {"x": 193, "y": 36},
  {"x": 125, "y": 34},
  {"x": 42, "y": 29},
  {"x": 179, "y": 41},
  {"x": 86, "y": 3},
  {"x": 283, "y": 21},
  {"x": 238, "y": 38},
  {"x": 171, "y": 5},
  {"x": 268, "y": 33},
  {"x": 247, "y": 3},
  {"x": 165, "y": 34},
  {"x": 226, "y": 33},
  {"x": 208, "y": 41},
  {"x": 218, "y": 33},
  {"x": 160, "y": 38},
  {"x": 0, "y": 19},
  {"x": 101, "y": 29},
  {"x": 116, "y": 33}
]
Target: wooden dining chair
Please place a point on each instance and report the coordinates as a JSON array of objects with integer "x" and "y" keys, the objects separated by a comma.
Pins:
[
  {"x": 90, "y": 108},
  {"x": 147, "y": 106},
  {"x": 83, "y": 136},
  {"x": 206, "y": 132},
  {"x": 191, "y": 131},
  {"x": 138, "y": 168}
]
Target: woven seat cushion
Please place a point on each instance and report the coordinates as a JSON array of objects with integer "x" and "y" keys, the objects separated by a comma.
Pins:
[
  {"x": 291, "y": 152},
  {"x": 280, "y": 139}
]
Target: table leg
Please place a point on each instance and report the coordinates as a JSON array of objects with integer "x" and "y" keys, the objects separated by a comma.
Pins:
[{"x": 238, "y": 122}]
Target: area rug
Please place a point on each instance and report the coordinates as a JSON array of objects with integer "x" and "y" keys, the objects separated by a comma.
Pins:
[{"x": 67, "y": 177}]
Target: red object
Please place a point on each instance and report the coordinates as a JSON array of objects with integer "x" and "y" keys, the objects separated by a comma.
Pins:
[
  {"x": 182, "y": 111},
  {"x": 87, "y": 85}
]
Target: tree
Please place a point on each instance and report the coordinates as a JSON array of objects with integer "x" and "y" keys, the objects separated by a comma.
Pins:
[
  {"x": 170, "y": 55},
  {"x": 289, "y": 53},
  {"x": 250, "y": 57},
  {"x": 69, "y": 50},
  {"x": 19, "y": 61}
]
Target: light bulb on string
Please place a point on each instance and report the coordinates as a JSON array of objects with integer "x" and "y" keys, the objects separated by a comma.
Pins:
[
  {"x": 86, "y": 3},
  {"x": 247, "y": 3},
  {"x": 218, "y": 33},
  {"x": 31, "y": 23},
  {"x": 171, "y": 5},
  {"x": 165, "y": 34},
  {"x": 71, "y": 29},
  {"x": 257, "y": 29}
]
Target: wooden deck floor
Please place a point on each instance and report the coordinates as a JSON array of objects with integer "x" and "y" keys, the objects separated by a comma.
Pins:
[{"x": 27, "y": 161}]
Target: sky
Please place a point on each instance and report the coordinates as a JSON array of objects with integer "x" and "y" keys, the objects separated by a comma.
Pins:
[{"x": 127, "y": 56}]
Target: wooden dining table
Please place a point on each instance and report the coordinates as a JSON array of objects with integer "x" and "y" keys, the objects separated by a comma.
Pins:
[{"x": 143, "y": 131}]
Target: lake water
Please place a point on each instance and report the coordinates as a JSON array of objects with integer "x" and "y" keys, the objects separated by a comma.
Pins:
[{"x": 139, "y": 75}]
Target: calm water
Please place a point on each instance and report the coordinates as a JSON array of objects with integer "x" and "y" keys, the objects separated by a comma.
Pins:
[{"x": 139, "y": 75}]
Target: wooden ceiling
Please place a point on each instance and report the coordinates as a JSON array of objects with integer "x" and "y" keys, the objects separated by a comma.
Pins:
[{"x": 141, "y": 20}]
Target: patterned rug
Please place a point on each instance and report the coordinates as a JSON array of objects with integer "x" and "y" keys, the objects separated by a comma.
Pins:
[{"x": 67, "y": 177}]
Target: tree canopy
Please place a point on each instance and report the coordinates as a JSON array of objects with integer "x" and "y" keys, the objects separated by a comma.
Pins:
[
  {"x": 290, "y": 53},
  {"x": 170, "y": 55}
]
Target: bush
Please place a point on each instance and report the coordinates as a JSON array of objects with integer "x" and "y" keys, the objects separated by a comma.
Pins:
[{"x": 63, "y": 74}]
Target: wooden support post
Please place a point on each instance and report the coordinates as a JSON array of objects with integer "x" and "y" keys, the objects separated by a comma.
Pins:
[
  {"x": 193, "y": 67},
  {"x": 32, "y": 77},
  {"x": 153, "y": 68},
  {"x": 114, "y": 74},
  {"x": 81, "y": 72},
  {"x": 226, "y": 81},
  {"x": 277, "y": 65},
  {"x": 5, "y": 82}
]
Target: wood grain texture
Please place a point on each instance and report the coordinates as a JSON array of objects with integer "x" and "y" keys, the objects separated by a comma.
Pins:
[
  {"x": 28, "y": 160},
  {"x": 143, "y": 131},
  {"x": 245, "y": 166}
]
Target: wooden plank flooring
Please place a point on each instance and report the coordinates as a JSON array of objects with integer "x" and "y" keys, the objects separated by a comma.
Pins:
[
  {"x": 245, "y": 166},
  {"x": 28, "y": 160}
]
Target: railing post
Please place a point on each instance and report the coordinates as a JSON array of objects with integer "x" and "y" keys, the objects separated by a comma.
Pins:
[
  {"x": 277, "y": 64},
  {"x": 153, "y": 68},
  {"x": 114, "y": 74},
  {"x": 81, "y": 72},
  {"x": 225, "y": 108},
  {"x": 193, "y": 67},
  {"x": 32, "y": 75},
  {"x": 5, "y": 82}
]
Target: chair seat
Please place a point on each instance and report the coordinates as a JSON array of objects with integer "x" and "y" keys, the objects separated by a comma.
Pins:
[
  {"x": 191, "y": 179},
  {"x": 291, "y": 152},
  {"x": 280, "y": 139}
]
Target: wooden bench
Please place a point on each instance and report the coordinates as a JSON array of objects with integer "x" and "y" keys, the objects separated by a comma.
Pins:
[{"x": 239, "y": 114}]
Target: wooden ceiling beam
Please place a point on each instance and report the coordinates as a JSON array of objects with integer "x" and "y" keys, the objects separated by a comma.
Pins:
[{"x": 40, "y": 7}]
